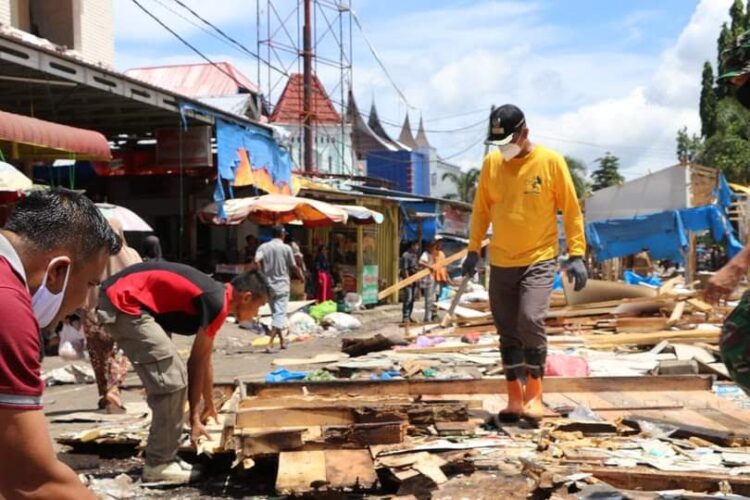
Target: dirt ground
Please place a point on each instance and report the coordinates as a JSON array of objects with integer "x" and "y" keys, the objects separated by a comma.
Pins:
[{"x": 234, "y": 357}]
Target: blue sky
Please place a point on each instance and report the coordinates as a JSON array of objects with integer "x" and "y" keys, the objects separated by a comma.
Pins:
[{"x": 592, "y": 75}]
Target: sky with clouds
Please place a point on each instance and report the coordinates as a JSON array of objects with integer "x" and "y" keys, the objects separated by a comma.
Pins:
[{"x": 592, "y": 76}]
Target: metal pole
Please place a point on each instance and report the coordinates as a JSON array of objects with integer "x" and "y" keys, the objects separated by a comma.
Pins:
[{"x": 307, "y": 106}]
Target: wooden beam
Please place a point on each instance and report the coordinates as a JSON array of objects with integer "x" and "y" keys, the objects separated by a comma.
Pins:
[
  {"x": 653, "y": 480},
  {"x": 481, "y": 386},
  {"x": 424, "y": 272}
]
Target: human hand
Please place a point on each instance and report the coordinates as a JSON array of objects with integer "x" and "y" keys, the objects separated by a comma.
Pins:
[
  {"x": 576, "y": 271},
  {"x": 198, "y": 433},
  {"x": 470, "y": 264},
  {"x": 209, "y": 411},
  {"x": 722, "y": 284}
]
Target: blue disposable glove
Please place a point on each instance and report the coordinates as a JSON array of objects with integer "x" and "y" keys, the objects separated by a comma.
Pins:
[
  {"x": 470, "y": 264},
  {"x": 576, "y": 271}
]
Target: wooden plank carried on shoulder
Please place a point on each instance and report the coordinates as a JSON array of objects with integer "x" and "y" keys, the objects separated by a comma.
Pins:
[{"x": 424, "y": 272}]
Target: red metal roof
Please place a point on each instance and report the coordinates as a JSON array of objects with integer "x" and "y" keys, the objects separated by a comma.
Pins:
[
  {"x": 196, "y": 80},
  {"x": 42, "y": 139},
  {"x": 290, "y": 105}
]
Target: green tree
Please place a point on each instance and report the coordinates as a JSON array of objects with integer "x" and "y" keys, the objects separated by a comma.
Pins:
[
  {"x": 708, "y": 102},
  {"x": 724, "y": 40},
  {"x": 608, "y": 172},
  {"x": 466, "y": 184},
  {"x": 578, "y": 173},
  {"x": 687, "y": 146},
  {"x": 737, "y": 15},
  {"x": 729, "y": 148}
]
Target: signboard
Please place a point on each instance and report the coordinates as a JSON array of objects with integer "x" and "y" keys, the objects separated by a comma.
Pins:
[
  {"x": 455, "y": 222},
  {"x": 370, "y": 284},
  {"x": 195, "y": 143}
]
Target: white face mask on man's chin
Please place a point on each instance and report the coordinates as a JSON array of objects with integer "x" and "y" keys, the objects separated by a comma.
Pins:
[
  {"x": 46, "y": 304},
  {"x": 510, "y": 151}
]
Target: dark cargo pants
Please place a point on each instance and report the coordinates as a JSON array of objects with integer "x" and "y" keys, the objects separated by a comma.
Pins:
[{"x": 519, "y": 299}]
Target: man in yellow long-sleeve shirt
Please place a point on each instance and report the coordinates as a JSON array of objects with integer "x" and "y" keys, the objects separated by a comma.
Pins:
[{"x": 521, "y": 189}]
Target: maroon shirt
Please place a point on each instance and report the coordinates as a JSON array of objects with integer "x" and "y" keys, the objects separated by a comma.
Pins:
[{"x": 21, "y": 385}]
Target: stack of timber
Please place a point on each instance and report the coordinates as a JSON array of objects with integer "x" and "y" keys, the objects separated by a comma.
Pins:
[{"x": 411, "y": 437}]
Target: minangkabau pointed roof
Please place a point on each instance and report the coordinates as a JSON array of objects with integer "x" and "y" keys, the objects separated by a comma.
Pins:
[
  {"x": 406, "y": 138},
  {"x": 290, "y": 107},
  {"x": 364, "y": 139},
  {"x": 421, "y": 139}
]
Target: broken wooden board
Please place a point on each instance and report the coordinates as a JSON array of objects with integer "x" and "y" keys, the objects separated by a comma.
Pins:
[
  {"x": 350, "y": 469},
  {"x": 600, "y": 290},
  {"x": 315, "y": 360},
  {"x": 301, "y": 472},
  {"x": 644, "y": 479},
  {"x": 640, "y": 325},
  {"x": 305, "y": 471},
  {"x": 363, "y": 435},
  {"x": 294, "y": 417},
  {"x": 488, "y": 385}
]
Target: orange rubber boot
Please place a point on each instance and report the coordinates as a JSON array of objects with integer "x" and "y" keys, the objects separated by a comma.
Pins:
[
  {"x": 533, "y": 407},
  {"x": 514, "y": 410}
]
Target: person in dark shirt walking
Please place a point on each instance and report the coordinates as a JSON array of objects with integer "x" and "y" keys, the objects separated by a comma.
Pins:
[
  {"x": 409, "y": 265},
  {"x": 137, "y": 306}
]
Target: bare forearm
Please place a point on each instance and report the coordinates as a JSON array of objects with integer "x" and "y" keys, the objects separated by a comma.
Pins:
[
  {"x": 741, "y": 261},
  {"x": 208, "y": 385},
  {"x": 196, "y": 376}
]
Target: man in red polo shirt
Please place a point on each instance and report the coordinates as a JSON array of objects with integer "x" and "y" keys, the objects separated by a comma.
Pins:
[
  {"x": 137, "y": 307},
  {"x": 53, "y": 249}
]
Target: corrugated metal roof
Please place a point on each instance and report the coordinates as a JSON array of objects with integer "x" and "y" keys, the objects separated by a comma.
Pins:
[
  {"x": 196, "y": 80},
  {"x": 289, "y": 108}
]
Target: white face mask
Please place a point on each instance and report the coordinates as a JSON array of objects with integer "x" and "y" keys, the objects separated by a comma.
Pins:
[
  {"x": 46, "y": 304},
  {"x": 510, "y": 151}
]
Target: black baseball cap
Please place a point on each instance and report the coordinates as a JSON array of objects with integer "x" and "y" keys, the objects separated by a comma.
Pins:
[{"x": 504, "y": 122}]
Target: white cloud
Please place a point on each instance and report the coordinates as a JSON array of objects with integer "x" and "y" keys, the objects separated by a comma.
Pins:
[{"x": 582, "y": 100}]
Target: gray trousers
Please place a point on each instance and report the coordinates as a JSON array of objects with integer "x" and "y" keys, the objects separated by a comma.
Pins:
[
  {"x": 161, "y": 371},
  {"x": 429, "y": 300},
  {"x": 519, "y": 299}
]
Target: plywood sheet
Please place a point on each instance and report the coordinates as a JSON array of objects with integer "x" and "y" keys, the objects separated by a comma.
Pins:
[
  {"x": 350, "y": 469},
  {"x": 300, "y": 471}
]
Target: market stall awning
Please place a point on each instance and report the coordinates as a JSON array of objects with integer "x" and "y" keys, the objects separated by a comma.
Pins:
[
  {"x": 362, "y": 215},
  {"x": 23, "y": 136},
  {"x": 275, "y": 209},
  {"x": 130, "y": 220}
]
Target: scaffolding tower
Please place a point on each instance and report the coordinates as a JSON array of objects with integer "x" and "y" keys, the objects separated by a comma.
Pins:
[{"x": 307, "y": 36}]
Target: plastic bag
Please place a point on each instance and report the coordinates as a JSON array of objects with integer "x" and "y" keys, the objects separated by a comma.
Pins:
[
  {"x": 320, "y": 311},
  {"x": 353, "y": 300},
  {"x": 302, "y": 324},
  {"x": 562, "y": 365},
  {"x": 67, "y": 352},
  {"x": 342, "y": 321}
]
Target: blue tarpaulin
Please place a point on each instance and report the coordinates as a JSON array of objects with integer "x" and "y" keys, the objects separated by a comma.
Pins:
[
  {"x": 263, "y": 151},
  {"x": 410, "y": 225},
  {"x": 663, "y": 235}
]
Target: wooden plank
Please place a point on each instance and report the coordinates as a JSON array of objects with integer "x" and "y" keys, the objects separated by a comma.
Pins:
[
  {"x": 300, "y": 472},
  {"x": 424, "y": 272},
  {"x": 271, "y": 442},
  {"x": 294, "y": 417},
  {"x": 640, "y": 325},
  {"x": 677, "y": 312},
  {"x": 361, "y": 435},
  {"x": 350, "y": 469},
  {"x": 481, "y": 386},
  {"x": 651, "y": 480},
  {"x": 601, "y": 290}
]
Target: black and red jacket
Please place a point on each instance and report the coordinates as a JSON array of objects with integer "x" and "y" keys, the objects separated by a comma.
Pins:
[{"x": 180, "y": 298}]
